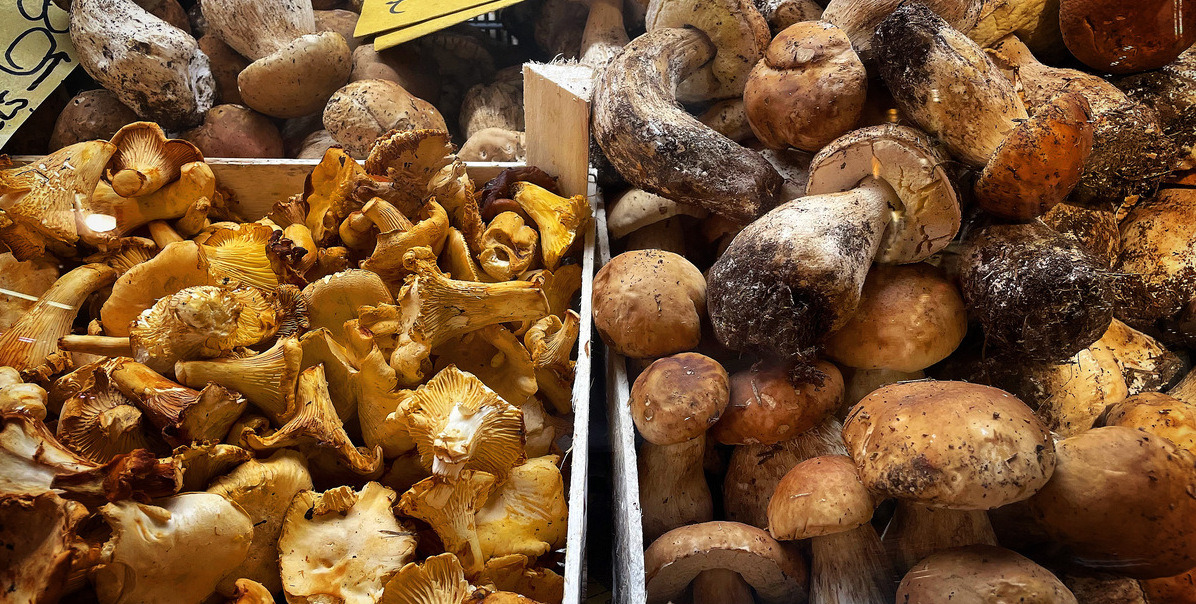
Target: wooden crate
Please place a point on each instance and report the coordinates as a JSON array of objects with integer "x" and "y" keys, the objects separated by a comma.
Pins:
[{"x": 556, "y": 107}]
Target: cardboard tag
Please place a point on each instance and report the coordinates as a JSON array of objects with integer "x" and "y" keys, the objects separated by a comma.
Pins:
[
  {"x": 411, "y": 32},
  {"x": 36, "y": 54},
  {"x": 383, "y": 15}
]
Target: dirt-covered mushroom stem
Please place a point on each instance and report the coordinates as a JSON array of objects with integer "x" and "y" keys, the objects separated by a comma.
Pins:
[{"x": 658, "y": 147}]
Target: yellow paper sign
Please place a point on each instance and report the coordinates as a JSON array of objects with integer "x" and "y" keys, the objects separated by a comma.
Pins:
[
  {"x": 36, "y": 54},
  {"x": 383, "y": 15},
  {"x": 411, "y": 32}
]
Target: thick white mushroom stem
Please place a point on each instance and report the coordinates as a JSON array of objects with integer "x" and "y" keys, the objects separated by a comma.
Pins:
[
  {"x": 673, "y": 489},
  {"x": 257, "y": 29},
  {"x": 604, "y": 35},
  {"x": 850, "y": 568},
  {"x": 796, "y": 274},
  {"x": 916, "y": 531},
  {"x": 653, "y": 143},
  {"x": 721, "y": 586}
]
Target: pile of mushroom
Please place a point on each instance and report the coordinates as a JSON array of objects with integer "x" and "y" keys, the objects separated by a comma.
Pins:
[
  {"x": 906, "y": 305},
  {"x": 357, "y": 398}
]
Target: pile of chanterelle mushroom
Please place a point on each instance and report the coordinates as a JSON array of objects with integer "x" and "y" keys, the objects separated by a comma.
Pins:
[
  {"x": 197, "y": 408},
  {"x": 909, "y": 304}
]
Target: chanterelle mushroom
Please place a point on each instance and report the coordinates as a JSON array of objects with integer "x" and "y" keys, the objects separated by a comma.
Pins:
[
  {"x": 458, "y": 423},
  {"x": 295, "y": 68},
  {"x": 151, "y": 556},
  {"x": 439, "y": 580},
  {"x": 37, "y": 542},
  {"x": 527, "y": 513},
  {"x": 145, "y": 159},
  {"x": 342, "y": 545},
  {"x": 451, "y": 508},
  {"x": 151, "y": 66}
]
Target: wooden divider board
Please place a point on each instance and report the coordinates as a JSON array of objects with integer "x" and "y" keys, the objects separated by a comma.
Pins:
[{"x": 258, "y": 183}]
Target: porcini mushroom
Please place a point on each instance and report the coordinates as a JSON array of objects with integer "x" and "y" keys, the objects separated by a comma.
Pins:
[
  {"x": 295, "y": 68},
  {"x": 235, "y": 131},
  {"x": 859, "y": 19},
  {"x": 151, "y": 66},
  {"x": 929, "y": 454},
  {"x": 770, "y": 404},
  {"x": 678, "y": 398},
  {"x": 90, "y": 115},
  {"x": 791, "y": 277},
  {"x": 1120, "y": 497},
  {"x": 823, "y": 500},
  {"x": 672, "y": 561},
  {"x": 672, "y": 486},
  {"x": 978, "y": 574},
  {"x": 1158, "y": 414},
  {"x": 808, "y": 89},
  {"x": 361, "y": 111},
  {"x": 1156, "y": 274},
  {"x": 1108, "y": 36},
  {"x": 909, "y": 318},
  {"x": 649, "y": 303}
]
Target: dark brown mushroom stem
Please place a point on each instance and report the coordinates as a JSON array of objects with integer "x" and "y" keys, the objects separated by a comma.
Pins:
[{"x": 658, "y": 147}]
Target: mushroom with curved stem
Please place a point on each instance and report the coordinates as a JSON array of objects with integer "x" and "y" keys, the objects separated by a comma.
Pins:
[
  {"x": 183, "y": 415},
  {"x": 1113, "y": 491},
  {"x": 33, "y": 340},
  {"x": 267, "y": 380},
  {"x": 735, "y": 28},
  {"x": 551, "y": 342},
  {"x": 432, "y": 309},
  {"x": 560, "y": 220},
  {"x": 459, "y": 424},
  {"x": 807, "y": 90},
  {"x": 635, "y": 109},
  {"x": 674, "y": 559},
  {"x": 793, "y": 276},
  {"x": 40, "y": 199},
  {"x": 960, "y": 473},
  {"x": 263, "y": 490},
  {"x": 150, "y": 555},
  {"x": 99, "y": 422},
  {"x": 343, "y": 544},
  {"x": 187, "y": 197},
  {"x": 979, "y": 573},
  {"x": 311, "y": 418},
  {"x": 146, "y": 160},
  {"x": 153, "y": 67},
  {"x": 451, "y": 509},
  {"x": 755, "y": 470},
  {"x": 295, "y": 68},
  {"x": 397, "y": 235},
  {"x": 507, "y": 525},
  {"x": 823, "y": 500},
  {"x": 977, "y": 113}
]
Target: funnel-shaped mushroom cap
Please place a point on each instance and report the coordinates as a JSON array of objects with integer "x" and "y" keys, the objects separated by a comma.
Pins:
[
  {"x": 179, "y": 265},
  {"x": 43, "y": 196},
  {"x": 676, "y": 557},
  {"x": 100, "y": 423},
  {"x": 928, "y": 215},
  {"x": 297, "y": 79},
  {"x": 949, "y": 444},
  {"x": 527, "y": 514},
  {"x": 819, "y": 496},
  {"x": 496, "y": 356},
  {"x": 263, "y": 490},
  {"x": 460, "y": 424},
  {"x": 201, "y": 322},
  {"x": 145, "y": 159},
  {"x": 239, "y": 255},
  {"x": 1122, "y": 499},
  {"x": 267, "y": 380},
  {"x": 151, "y": 556},
  {"x": 451, "y": 509},
  {"x": 439, "y": 580},
  {"x": 335, "y": 299},
  {"x": 561, "y": 220},
  {"x": 979, "y": 574},
  {"x": 342, "y": 545},
  {"x": 39, "y": 546}
]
